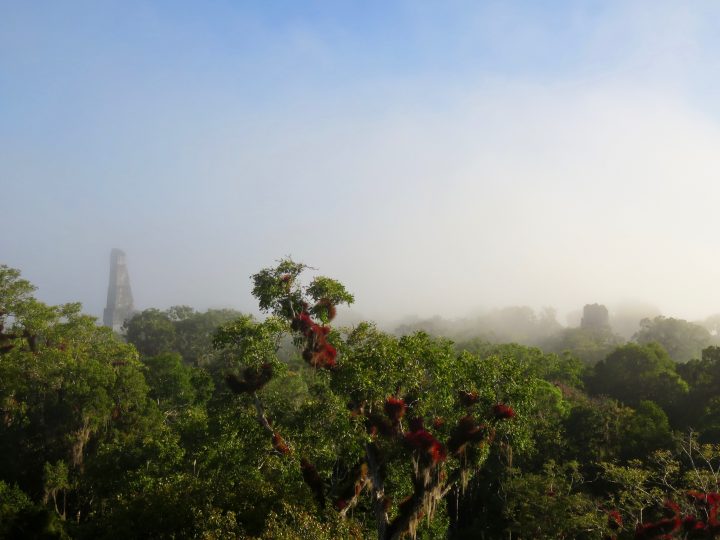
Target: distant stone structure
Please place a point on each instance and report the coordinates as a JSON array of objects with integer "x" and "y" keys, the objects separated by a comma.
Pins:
[
  {"x": 119, "y": 299},
  {"x": 595, "y": 317}
]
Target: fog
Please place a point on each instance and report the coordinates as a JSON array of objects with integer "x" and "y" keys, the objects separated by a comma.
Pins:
[{"x": 439, "y": 160}]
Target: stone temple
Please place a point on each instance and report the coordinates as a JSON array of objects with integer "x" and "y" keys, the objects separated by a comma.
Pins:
[
  {"x": 119, "y": 299},
  {"x": 595, "y": 317}
]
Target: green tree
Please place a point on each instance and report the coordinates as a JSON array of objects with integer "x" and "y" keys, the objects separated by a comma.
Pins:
[
  {"x": 179, "y": 329},
  {"x": 633, "y": 373},
  {"x": 588, "y": 344},
  {"x": 647, "y": 430},
  {"x": 703, "y": 377},
  {"x": 75, "y": 410},
  {"x": 551, "y": 504},
  {"x": 151, "y": 331},
  {"x": 682, "y": 340},
  {"x": 378, "y": 406},
  {"x": 595, "y": 430}
]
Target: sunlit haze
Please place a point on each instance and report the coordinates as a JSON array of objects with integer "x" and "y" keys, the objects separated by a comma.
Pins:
[{"x": 436, "y": 157}]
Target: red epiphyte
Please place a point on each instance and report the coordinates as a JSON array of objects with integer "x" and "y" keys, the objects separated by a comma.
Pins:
[
  {"x": 419, "y": 440},
  {"x": 437, "y": 452},
  {"x": 438, "y": 422},
  {"x": 673, "y": 506},
  {"x": 658, "y": 528},
  {"x": 395, "y": 408},
  {"x": 503, "y": 412},
  {"x": 302, "y": 323},
  {"x": 279, "y": 444},
  {"x": 615, "y": 520},
  {"x": 713, "y": 517},
  {"x": 692, "y": 524},
  {"x": 324, "y": 357},
  {"x": 318, "y": 352},
  {"x": 416, "y": 424},
  {"x": 424, "y": 442},
  {"x": 466, "y": 431},
  {"x": 467, "y": 399},
  {"x": 314, "y": 331},
  {"x": 708, "y": 500},
  {"x": 330, "y": 352}
]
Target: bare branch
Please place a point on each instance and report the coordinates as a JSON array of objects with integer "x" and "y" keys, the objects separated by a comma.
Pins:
[{"x": 260, "y": 410}]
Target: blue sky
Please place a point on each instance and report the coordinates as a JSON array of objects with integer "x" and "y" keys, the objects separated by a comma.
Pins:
[{"x": 438, "y": 157}]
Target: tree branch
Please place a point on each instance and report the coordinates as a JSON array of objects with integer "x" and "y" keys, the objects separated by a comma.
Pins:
[
  {"x": 378, "y": 489},
  {"x": 260, "y": 412}
]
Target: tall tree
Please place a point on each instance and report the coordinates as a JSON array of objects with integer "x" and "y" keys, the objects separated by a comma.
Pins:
[{"x": 682, "y": 340}]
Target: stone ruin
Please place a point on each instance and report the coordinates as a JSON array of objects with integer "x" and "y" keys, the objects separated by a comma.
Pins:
[
  {"x": 119, "y": 299},
  {"x": 595, "y": 317}
]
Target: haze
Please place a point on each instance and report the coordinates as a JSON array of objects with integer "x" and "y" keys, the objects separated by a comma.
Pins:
[{"x": 436, "y": 157}]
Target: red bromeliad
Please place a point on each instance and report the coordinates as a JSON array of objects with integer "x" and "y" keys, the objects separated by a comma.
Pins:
[
  {"x": 318, "y": 352},
  {"x": 395, "y": 408},
  {"x": 428, "y": 446},
  {"x": 503, "y": 412}
]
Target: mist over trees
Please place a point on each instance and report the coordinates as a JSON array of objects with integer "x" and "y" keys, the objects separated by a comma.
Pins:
[{"x": 220, "y": 425}]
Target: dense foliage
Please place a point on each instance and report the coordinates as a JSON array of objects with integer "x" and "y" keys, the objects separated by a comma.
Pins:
[{"x": 221, "y": 425}]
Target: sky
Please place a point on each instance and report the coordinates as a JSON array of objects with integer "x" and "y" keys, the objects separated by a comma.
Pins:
[{"x": 438, "y": 158}]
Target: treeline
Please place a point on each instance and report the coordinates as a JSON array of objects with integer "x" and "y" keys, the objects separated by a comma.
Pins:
[
  {"x": 218, "y": 425},
  {"x": 682, "y": 339}
]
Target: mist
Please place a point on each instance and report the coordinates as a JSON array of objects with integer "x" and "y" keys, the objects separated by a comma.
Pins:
[{"x": 439, "y": 162}]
